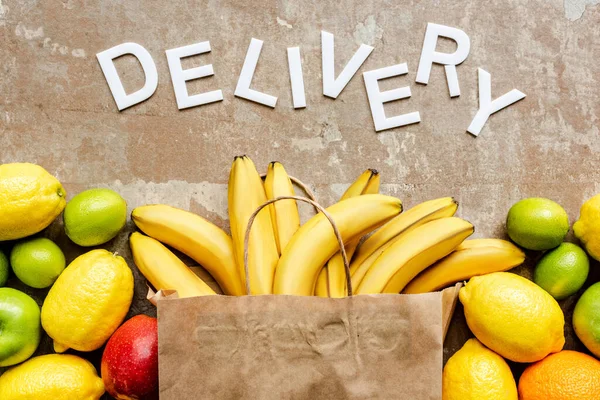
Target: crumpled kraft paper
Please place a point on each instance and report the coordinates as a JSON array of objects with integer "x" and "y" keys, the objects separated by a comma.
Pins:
[{"x": 293, "y": 347}]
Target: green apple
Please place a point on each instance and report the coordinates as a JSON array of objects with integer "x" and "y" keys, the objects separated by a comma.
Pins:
[{"x": 20, "y": 327}]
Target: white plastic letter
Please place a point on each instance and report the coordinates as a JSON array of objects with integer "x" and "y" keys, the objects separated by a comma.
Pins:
[
  {"x": 243, "y": 86},
  {"x": 107, "y": 65},
  {"x": 180, "y": 76},
  {"x": 377, "y": 98},
  {"x": 449, "y": 60},
  {"x": 332, "y": 86},
  {"x": 486, "y": 106},
  {"x": 296, "y": 78}
]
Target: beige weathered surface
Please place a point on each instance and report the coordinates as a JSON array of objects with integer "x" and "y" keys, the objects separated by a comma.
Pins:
[{"x": 56, "y": 109}]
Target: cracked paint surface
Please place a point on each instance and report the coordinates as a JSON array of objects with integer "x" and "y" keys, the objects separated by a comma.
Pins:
[
  {"x": 368, "y": 32},
  {"x": 574, "y": 9}
]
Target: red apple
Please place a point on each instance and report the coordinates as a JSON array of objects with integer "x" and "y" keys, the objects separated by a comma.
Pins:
[{"x": 130, "y": 361}]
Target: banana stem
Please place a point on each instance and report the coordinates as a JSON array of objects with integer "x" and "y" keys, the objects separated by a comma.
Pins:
[{"x": 317, "y": 206}]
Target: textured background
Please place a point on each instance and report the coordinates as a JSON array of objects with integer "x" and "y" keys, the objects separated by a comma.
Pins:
[{"x": 56, "y": 109}]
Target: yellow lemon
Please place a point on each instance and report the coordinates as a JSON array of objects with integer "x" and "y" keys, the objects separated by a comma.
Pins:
[
  {"x": 88, "y": 301},
  {"x": 475, "y": 373},
  {"x": 31, "y": 199},
  {"x": 587, "y": 228},
  {"x": 52, "y": 377},
  {"x": 513, "y": 316}
]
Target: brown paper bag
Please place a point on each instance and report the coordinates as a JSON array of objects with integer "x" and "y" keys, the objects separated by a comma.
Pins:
[
  {"x": 291, "y": 347},
  {"x": 294, "y": 347}
]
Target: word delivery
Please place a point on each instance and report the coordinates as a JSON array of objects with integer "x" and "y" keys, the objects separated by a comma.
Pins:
[{"x": 332, "y": 85}]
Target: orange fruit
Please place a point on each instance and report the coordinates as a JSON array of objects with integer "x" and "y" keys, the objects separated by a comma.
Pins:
[{"x": 567, "y": 375}]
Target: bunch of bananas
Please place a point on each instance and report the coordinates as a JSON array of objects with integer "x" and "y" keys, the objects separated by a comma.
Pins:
[{"x": 421, "y": 250}]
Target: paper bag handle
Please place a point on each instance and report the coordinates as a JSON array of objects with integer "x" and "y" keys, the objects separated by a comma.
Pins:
[
  {"x": 316, "y": 206},
  {"x": 301, "y": 185}
]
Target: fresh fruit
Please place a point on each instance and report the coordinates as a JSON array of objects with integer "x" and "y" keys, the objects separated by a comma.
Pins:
[
  {"x": 376, "y": 244},
  {"x": 31, "y": 199},
  {"x": 165, "y": 270},
  {"x": 245, "y": 194},
  {"x": 587, "y": 228},
  {"x": 322, "y": 284},
  {"x": 568, "y": 375},
  {"x": 284, "y": 213},
  {"x": 414, "y": 252},
  {"x": 537, "y": 223},
  {"x": 88, "y": 301},
  {"x": 129, "y": 365},
  {"x": 196, "y": 237},
  {"x": 367, "y": 183},
  {"x": 471, "y": 258},
  {"x": 315, "y": 242},
  {"x": 4, "y": 269},
  {"x": 562, "y": 271},
  {"x": 585, "y": 319},
  {"x": 52, "y": 377},
  {"x": 94, "y": 217},
  {"x": 37, "y": 262},
  {"x": 513, "y": 316},
  {"x": 476, "y": 373},
  {"x": 20, "y": 330}
]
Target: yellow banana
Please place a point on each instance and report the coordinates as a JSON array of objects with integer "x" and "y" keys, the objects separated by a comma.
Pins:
[
  {"x": 245, "y": 194},
  {"x": 471, "y": 258},
  {"x": 204, "y": 242},
  {"x": 284, "y": 213},
  {"x": 315, "y": 243},
  {"x": 414, "y": 252},
  {"x": 367, "y": 183},
  {"x": 322, "y": 285},
  {"x": 377, "y": 243},
  {"x": 373, "y": 184},
  {"x": 163, "y": 269}
]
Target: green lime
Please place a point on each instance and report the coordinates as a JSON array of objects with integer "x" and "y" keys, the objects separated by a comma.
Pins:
[
  {"x": 562, "y": 271},
  {"x": 585, "y": 319},
  {"x": 95, "y": 216},
  {"x": 537, "y": 223},
  {"x": 37, "y": 262},
  {"x": 4, "y": 267}
]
